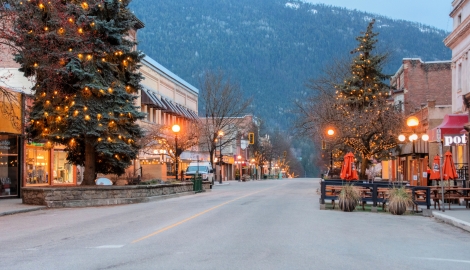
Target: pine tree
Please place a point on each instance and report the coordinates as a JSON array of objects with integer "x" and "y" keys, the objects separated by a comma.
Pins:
[
  {"x": 86, "y": 74},
  {"x": 365, "y": 121},
  {"x": 366, "y": 87}
]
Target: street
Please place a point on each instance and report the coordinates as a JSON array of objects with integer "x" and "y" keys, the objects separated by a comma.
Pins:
[{"x": 274, "y": 224}]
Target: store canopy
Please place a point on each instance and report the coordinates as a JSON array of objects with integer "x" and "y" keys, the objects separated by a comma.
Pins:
[
  {"x": 452, "y": 124},
  {"x": 170, "y": 107},
  {"x": 151, "y": 99}
]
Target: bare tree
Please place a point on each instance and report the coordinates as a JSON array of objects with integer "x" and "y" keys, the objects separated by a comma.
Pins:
[
  {"x": 369, "y": 132},
  {"x": 162, "y": 137},
  {"x": 223, "y": 108}
]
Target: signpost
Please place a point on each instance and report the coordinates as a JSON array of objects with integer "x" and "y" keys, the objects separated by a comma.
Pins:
[{"x": 439, "y": 140}]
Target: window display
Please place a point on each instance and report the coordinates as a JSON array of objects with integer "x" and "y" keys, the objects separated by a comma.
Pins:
[
  {"x": 37, "y": 165},
  {"x": 62, "y": 171},
  {"x": 8, "y": 165}
]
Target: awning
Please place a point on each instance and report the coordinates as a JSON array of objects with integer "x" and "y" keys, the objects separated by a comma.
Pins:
[
  {"x": 452, "y": 124},
  {"x": 194, "y": 114},
  {"x": 170, "y": 107},
  {"x": 151, "y": 99}
]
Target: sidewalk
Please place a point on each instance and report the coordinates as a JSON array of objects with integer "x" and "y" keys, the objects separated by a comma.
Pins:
[
  {"x": 458, "y": 216},
  {"x": 15, "y": 206}
]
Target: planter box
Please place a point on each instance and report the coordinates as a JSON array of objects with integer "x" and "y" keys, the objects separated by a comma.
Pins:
[{"x": 82, "y": 196}]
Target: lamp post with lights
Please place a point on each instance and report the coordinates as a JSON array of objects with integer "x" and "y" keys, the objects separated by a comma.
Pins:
[
  {"x": 413, "y": 122},
  {"x": 176, "y": 129},
  {"x": 330, "y": 132}
]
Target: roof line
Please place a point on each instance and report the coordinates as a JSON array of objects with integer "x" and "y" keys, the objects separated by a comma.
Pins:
[{"x": 169, "y": 74}]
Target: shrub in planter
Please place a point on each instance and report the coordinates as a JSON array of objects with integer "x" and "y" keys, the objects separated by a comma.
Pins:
[
  {"x": 399, "y": 200},
  {"x": 348, "y": 198}
]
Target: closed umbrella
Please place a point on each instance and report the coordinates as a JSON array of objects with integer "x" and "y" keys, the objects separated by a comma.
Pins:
[
  {"x": 435, "y": 174},
  {"x": 448, "y": 170},
  {"x": 348, "y": 170}
]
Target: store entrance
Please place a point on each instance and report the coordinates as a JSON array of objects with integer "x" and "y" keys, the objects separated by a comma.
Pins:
[{"x": 9, "y": 165}]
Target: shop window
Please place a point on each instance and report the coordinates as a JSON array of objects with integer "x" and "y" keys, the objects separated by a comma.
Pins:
[
  {"x": 62, "y": 171},
  {"x": 37, "y": 166},
  {"x": 8, "y": 165}
]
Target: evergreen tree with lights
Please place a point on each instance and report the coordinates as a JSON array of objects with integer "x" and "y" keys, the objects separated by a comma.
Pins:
[
  {"x": 365, "y": 121},
  {"x": 86, "y": 74}
]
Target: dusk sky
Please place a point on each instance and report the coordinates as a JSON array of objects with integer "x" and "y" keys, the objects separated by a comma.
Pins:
[{"x": 430, "y": 12}]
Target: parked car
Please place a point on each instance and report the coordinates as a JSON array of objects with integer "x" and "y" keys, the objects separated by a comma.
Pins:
[{"x": 204, "y": 169}]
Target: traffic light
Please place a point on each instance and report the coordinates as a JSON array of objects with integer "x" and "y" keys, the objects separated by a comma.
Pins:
[
  {"x": 251, "y": 137},
  {"x": 285, "y": 154}
]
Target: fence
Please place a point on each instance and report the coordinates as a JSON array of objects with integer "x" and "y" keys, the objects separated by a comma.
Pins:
[{"x": 374, "y": 198}]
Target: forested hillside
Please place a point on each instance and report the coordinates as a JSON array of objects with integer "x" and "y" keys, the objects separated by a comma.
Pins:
[{"x": 271, "y": 47}]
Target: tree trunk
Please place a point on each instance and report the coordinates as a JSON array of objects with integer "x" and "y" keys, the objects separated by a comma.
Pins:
[
  {"x": 363, "y": 176},
  {"x": 90, "y": 158}
]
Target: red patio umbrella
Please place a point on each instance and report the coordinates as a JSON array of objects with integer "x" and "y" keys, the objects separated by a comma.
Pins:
[
  {"x": 448, "y": 169},
  {"x": 348, "y": 170},
  {"x": 435, "y": 174}
]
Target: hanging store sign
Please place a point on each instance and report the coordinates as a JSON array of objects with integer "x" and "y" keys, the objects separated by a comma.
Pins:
[{"x": 455, "y": 140}]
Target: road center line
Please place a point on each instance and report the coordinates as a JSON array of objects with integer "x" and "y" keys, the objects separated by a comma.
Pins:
[{"x": 199, "y": 214}]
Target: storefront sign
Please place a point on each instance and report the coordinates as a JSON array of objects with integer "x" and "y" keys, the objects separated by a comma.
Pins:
[{"x": 455, "y": 140}]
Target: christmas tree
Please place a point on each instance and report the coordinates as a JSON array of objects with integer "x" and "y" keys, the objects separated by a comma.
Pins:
[
  {"x": 86, "y": 73},
  {"x": 365, "y": 121},
  {"x": 366, "y": 87}
]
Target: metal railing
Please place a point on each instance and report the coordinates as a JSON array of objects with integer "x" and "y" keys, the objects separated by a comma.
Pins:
[{"x": 462, "y": 170}]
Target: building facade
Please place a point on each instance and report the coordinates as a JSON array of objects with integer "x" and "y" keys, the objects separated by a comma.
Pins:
[
  {"x": 459, "y": 42},
  {"x": 165, "y": 98},
  {"x": 424, "y": 90}
]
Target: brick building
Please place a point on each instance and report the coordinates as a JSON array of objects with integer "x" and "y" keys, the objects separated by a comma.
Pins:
[
  {"x": 416, "y": 82},
  {"x": 422, "y": 89}
]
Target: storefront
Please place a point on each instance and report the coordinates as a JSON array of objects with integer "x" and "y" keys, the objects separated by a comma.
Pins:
[
  {"x": 455, "y": 139},
  {"x": 10, "y": 141},
  {"x": 45, "y": 166},
  {"x": 9, "y": 170}
]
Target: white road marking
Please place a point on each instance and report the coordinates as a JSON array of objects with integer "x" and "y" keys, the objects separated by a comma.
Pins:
[
  {"x": 31, "y": 249},
  {"x": 110, "y": 246},
  {"x": 444, "y": 260}
]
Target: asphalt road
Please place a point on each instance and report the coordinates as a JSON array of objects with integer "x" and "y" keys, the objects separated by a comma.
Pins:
[{"x": 272, "y": 224}]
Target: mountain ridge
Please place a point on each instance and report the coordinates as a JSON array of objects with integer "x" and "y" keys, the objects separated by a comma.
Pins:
[{"x": 271, "y": 47}]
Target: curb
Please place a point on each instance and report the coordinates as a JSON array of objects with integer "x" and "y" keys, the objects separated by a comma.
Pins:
[
  {"x": 12, "y": 212},
  {"x": 452, "y": 221}
]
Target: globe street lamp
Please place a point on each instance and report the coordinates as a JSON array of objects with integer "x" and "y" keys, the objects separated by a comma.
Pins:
[
  {"x": 413, "y": 122},
  {"x": 176, "y": 129},
  {"x": 330, "y": 133}
]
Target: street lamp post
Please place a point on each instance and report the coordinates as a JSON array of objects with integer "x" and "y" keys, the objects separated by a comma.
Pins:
[
  {"x": 413, "y": 123},
  {"x": 221, "y": 134},
  {"x": 239, "y": 158},
  {"x": 330, "y": 133},
  {"x": 176, "y": 129}
]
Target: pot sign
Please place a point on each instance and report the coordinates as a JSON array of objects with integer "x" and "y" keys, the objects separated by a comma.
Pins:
[{"x": 455, "y": 139}]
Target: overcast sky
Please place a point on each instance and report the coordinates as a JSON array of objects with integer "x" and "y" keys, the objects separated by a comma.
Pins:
[{"x": 430, "y": 12}]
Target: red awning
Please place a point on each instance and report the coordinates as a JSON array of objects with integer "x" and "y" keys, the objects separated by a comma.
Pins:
[{"x": 452, "y": 124}]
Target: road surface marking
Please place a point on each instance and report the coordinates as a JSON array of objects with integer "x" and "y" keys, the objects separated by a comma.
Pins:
[
  {"x": 200, "y": 214},
  {"x": 110, "y": 246},
  {"x": 445, "y": 260}
]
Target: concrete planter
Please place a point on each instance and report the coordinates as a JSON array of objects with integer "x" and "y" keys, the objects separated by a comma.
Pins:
[{"x": 83, "y": 196}]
